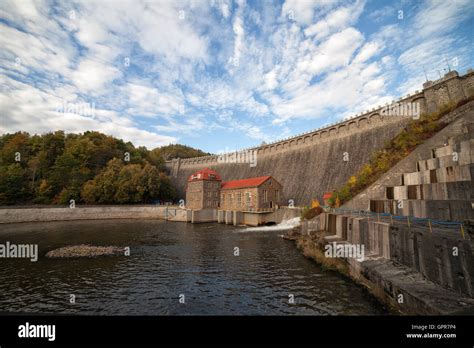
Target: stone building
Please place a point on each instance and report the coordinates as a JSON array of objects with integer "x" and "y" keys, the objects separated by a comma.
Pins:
[
  {"x": 255, "y": 194},
  {"x": 203, "y": 190}
]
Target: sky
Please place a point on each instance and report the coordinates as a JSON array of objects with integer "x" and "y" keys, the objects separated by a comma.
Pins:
[{"x": 218, "y": 75}]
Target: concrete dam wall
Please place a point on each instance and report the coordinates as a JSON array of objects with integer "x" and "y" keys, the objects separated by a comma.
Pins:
[
  {"x": 310, "y": 164},
  {"x": 306, "y": 172}
]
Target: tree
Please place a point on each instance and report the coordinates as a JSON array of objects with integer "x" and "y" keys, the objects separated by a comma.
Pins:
[
  {"x": 178, "y": 151},
  {"x": 92, "y": 167},
  {"x": 13, "y": 184}
]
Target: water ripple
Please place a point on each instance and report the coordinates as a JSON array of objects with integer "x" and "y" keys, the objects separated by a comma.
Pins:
[{"x": 168, "y": 260}]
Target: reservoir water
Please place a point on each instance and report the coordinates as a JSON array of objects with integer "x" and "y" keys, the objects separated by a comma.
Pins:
[{"x": 168, "y": 260}]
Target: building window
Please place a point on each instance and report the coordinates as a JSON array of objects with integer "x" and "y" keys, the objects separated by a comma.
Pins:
[
  {"x": 239, "y": 198},
  {"x": 265, "y": 196},
  {"x": 209, "y": 194},
  {"x": 277, "y": 195},
  {"x": 247, "y": 197},
  {"x": 215, "y": 194}
]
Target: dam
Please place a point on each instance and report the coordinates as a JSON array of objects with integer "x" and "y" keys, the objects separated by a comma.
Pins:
[{"x": 310, "y": 164}]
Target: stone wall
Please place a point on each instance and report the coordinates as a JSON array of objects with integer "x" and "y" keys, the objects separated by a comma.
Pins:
[
  {"x": 308, "y": 170},
  {"x": 15, "y": 215}
]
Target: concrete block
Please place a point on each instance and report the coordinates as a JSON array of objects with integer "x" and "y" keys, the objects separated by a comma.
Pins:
[
  {"x": 221, "y": 216},
  {"x": 228, "y": 217},
  {"x": 444, "y": 151},
  {"x": 238, "y": 218},
  {"x": 331, "y": 223},
  {"x": 356, "y": 237},
  {"x": 447, "y": 161},
  {"x": 432, "y": 163},
  {"x": 421, "y": 165},
  {"x": 253, "y": 219},
  {"x": 466, "y": 158},
  {"x": 414, "y": 178},
  {"x": 341, "y": 226},
  {"x": 467, "y": 146},
  {"x": 400, "y": 192},
  {"x": 204, "y": 215}
]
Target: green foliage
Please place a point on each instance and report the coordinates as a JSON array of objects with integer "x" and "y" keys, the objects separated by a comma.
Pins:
[
  {"x": 308, "y": 213},
  {"x": 132, "y": 183},
  {"x": 54, "y": 168},
  {"x": 414, "y": 134},
  {"x": 13, "y": 184},
  {"x": 176, "y": 151}
]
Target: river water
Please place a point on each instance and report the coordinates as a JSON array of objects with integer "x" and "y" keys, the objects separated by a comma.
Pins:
[{"x": 168, "y": 260}]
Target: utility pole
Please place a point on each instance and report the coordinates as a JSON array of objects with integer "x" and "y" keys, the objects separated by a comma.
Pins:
[
  {"x": 424, "y": 71},
  {"x": 449, "y": 68}
]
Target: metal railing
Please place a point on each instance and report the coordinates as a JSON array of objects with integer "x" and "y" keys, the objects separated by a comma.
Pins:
[{"x": 406, "y": 220}]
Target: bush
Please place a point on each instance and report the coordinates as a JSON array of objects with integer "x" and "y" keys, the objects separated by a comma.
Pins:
[{"x": 309, "y": 213}]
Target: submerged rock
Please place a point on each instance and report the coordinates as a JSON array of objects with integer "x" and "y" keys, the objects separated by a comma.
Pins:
[{"x": 84, "y": 250}]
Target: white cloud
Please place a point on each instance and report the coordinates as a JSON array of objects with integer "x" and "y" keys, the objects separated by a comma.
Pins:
[
  {"x": 182, "y": 78},
  {"x": 383, "y": 13},
  {"x": 238, "y": 27},
  {"x": 440, "y": 17},
  {"x": 224, "y": 6},
  {"x": 303, "y": 11},
  {"x": 336, "y": 51},
  {"x": 368, "y": 51},
  {"x": 92, "y": 76},
  {"x": 27, "y": 108},
  {"x": 150, "y": 102},
  {"x": 336, "y": 20}
]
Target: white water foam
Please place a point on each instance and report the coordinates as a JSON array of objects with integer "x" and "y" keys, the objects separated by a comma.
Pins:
[{"x": 284, "y": 225}]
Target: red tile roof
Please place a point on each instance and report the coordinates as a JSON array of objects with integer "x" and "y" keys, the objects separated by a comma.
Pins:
[
  {"x": 251, "y": 182},
  {"x": 205, "y": 174}
]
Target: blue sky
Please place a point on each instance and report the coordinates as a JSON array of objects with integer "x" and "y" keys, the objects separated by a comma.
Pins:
[{"x": 218, "y": 75}]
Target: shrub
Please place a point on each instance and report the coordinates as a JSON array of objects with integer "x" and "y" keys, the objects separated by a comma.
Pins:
[{"x": 309, "y": 213}]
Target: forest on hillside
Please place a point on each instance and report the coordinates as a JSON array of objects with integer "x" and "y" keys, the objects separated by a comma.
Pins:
[
  {"x": 177, "y": 150},
  {"x": 91, "y": 168}
]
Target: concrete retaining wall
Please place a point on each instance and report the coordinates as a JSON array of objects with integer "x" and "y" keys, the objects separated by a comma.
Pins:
[
  {"x": 441, "y": 256},
  {"x": 15, "y": 215},
  {"x": 205, "y": 215},
  {"x": 314, "y": 164}
]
